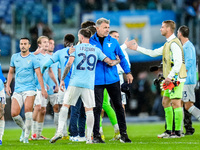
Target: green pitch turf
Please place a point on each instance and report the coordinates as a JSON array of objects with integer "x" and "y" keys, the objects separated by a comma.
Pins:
[{"x": 143, "y": 136}]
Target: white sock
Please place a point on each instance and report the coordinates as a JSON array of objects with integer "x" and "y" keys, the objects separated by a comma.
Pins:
[
  {"x": 195, "y": 112},
  {"x": 34, "y": 127},
  {"x": 56, "y": 115},
  {"x": 40, "y": 128},
  {"x": 116, "y": 128},
  {"x": 62, "y": 119},
  {"x": 65, "y": 133},
  {"x": 89, "y": 123},
  {"x": 28, "y": 121},
  {"x": 19, "y": 121},
  {"x": 2, "y": 126}
]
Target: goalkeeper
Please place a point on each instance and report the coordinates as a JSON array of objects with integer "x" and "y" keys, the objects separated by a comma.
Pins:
[{"x": 173, "y": 67}]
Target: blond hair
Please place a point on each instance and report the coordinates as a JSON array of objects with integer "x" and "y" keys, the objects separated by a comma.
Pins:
[
  {"x": 171, "y": 24},
  {"x": 40, "y": 38}
]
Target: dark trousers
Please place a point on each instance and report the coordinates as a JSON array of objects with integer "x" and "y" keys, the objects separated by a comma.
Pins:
[
  {"x": 114, "y": 92},
  {"x": 77, "y": 119}
]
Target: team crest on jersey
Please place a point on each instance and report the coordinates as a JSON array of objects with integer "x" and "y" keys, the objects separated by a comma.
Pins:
[
  {"x": 28, "y": 61},
  {"x": 109, "y": 44}
]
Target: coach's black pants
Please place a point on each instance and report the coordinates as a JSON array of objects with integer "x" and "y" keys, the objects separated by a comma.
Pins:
[{"x": 115, "y": 95}]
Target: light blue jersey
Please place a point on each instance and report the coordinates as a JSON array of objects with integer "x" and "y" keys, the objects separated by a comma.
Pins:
[
  {"x": 83, "y": 72},
  {"x": 2, "y": 79},
  {"x": 42, "y": 59},
  {"x": 24, "y": 72},
  {"x": 62, "y": 56},
  {"x": 50, "y": 82},
  {"x": 190, "y": 62}
]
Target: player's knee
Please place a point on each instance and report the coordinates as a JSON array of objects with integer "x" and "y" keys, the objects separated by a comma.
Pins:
[
  {"x": 43, "y": 111},
  {"x": 14, "y": 114},
  {"x": 187, "y": 105},
  {"x": 56, "y": 108}
]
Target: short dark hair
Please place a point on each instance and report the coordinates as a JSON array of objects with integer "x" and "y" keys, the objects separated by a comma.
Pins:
[
  {"x": 85, "y": 32},
  {"x": 184, "y": 30},
  {"x": 92, "y": 29},
  {"x": 87, "y": 24},
  {"x": 68, "y": 40},
  {"x": 113, "y": 31},
  {"x": 25, "y": 38}
]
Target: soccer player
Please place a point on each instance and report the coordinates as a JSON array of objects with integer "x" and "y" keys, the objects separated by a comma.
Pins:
[
  {"x": 81, "y": 82},
  {"x": 190, "y": 83},
  {"x": 173, "y": 69},
  {"x": 52, "y": 96},
  {"x": 2, "y": 103},
  {"x": 40, "y": 101},
  {"x": 25, "y": 65},
  {"x": 106, "y": 77},
  {"x": 62, "y": 56}
]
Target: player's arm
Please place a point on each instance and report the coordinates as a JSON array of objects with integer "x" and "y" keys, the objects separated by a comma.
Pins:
[
  {"x": 66, "y": 71},
  {"x": 9, "y": 80},
  {"x": 38, "y": 50},
  {"x": 52, "y": 76},
  {"x": 59, "y": 74},
  {"x": 112, "y": 62},
  {"x": 149, "y": 52},
  {"x": 47, "y": 65},
  {"x": 40, "y": 80}
]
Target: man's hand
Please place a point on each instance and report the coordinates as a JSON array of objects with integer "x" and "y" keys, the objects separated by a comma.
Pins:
[
  {"x": 38, "y": 50},
  {"x": 129, "y": 78},
  {"x": 71, "y": 50},
  {"x": 44, "y": 94},
  {"x": 167, "y": 81},
  {"x": 133, "y": 45},
  {"x": 118, "y": 59},
  {"x": 56, "y": 89},
  {"x": 8, "y": 90},
  {"x": 62, "y": 85}
]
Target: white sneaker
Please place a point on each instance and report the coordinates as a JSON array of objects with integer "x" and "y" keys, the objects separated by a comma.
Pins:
[
  {"x": 71, "y": 138},
  {"x": 81, "y": 139},
  {"x": 164, "y": 135},
  {"x": 75, "y": 139},
  {"x": 22, "y": 136},
  {"x": 55, "y": 138},
  {"x": 89, "y": 141},
  {"x": 25, "y": 140}
]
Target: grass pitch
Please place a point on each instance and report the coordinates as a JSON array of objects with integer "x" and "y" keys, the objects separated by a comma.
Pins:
[{"x": 143, "y": 136}]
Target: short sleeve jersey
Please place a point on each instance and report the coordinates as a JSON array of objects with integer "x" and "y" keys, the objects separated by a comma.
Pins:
[
  {"x": 1, "y": 79},
  {"x": 41, "y": 58},
  {"x": 50, "y": 82},
  {"x": 24, "y": 72},
  {"x": 84, "y": 65}
]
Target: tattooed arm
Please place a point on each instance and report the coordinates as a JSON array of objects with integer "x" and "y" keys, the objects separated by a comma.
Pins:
[{"x": 66, "y": 71}]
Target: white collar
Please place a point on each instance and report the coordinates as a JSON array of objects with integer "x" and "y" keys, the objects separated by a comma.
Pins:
[{"x": 171, "y": 37}]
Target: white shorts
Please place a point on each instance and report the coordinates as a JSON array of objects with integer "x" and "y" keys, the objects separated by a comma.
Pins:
[
  {"x": 40, "y": 100},
  {"x": 188, "y": 93},
  {"x": 123, "y": 98},
  {"x": 72, "y": 94},
  {"x": 53, "y": 99},
  {"x": 21, "y": 97},
  {"x": 2, "y": 97},
  {"x": 61, "y": 95}
]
